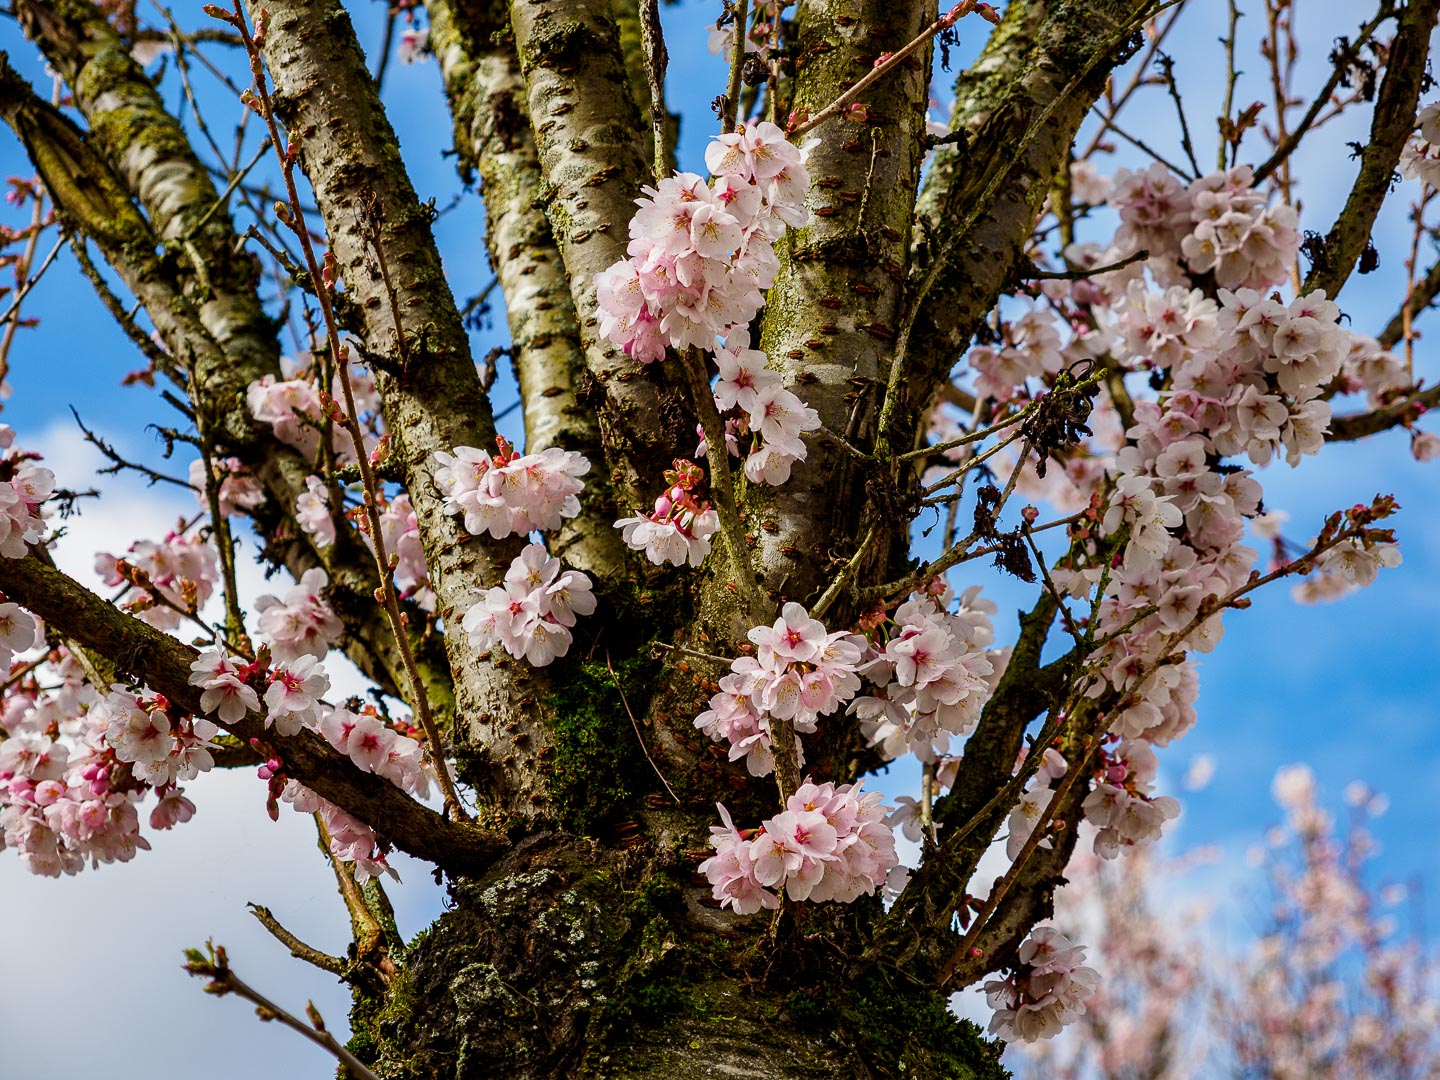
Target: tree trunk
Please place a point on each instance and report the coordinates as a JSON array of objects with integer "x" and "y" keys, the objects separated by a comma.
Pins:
[{"x": 575, "y": 958}]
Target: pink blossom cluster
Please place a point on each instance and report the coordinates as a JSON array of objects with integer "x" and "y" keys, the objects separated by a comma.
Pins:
[
  {"x": 23, "y": 487},
  {"x": 160, "y": 751},
  {"x": 1148, "y": 1016},
  {"x": 295, "y": 408},
  {"x": 400, "y": 530},
  {"x": 181, "y": 567},
  {"x": 293, "y": 697},
  {"x": 74, "y": 768},
  {"x": 1034, "y": 803},
  {"x": 510, "y": 494},
  {"x": 701, "y": 254},
  {"x": 1032, "y": 350},
  {"x": 351, "y": 840},
  {"x": 932, "y": 674},
  {"x": 377, "y": 747},
  {"x": 1046, "y": 990},
  {"x": 19, "y": 632},
  {"x": 293, "y": 701},
  {"x": 225, "y": 685},
  {"x": 239, "y": 492},
  {"x": 773, "y": 415},
  {"x": 1348, "y": 566},
  {"x": 1220, "y": 225},
  {"x": 799, "y": 672},
  {"x": 678, "y": 530},
  {"x": 1375, "y": 370},
  {"x": 1329, "y": 986},
  {"x": 1121, "y": 805},
  {"x": 313, "y": 513},
  {"x": 301, "y": 623},
  {"x": 58, "y": 810},
  {"x": 829, "y": 844},
  {"x": 1160, "y": 500},
  {"x": 1242, "y": 376},
  {"x": 531, "y": 614}
]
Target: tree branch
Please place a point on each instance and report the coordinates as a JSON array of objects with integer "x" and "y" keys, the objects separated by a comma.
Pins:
[
  {"x": 204, "y": 306},
  {"x": 492, "y": 135},
  {"x": 980, "y": 203},
  {"x": 586, "y": 127},
  {"x": 1390, "y": 129},
  {"x": 163, "y": 663},
  {"x": 431, "y": 392}
]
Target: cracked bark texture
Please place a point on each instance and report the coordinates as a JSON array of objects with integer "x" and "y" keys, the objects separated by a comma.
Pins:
[
  {"x": 1021, "y": 105},
  {"x": 833, "y": 315}
]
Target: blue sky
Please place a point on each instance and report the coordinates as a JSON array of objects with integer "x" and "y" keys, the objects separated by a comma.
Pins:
[{"x": 1349, "y": 687}]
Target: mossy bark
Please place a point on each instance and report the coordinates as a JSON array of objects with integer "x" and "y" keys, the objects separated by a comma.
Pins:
[{"x": 573, "y": 959}]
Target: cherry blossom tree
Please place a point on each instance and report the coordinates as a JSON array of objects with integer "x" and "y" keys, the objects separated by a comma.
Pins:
[{"x": 783, "y": 420}]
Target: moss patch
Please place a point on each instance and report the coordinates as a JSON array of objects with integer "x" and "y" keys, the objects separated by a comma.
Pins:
[{"x": 597, "y": 754}]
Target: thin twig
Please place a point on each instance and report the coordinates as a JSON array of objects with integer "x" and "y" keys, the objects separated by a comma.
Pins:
[
  {"x": 1137, "y": 78},
  {"x": 974, "y": 462},
  {"x": 1036, "y": 274},
  {"x": 971, "y": 437},
  {"x": 419, "y": 700},
  {"x": 9, "y": 319},
  {"x": 1232, "y": 76},
  {"x": 1143, "y": 147},
  {"x": 215, "y": 965},
  {"x": 691, "y": 652},
  {"x": 119, "y": 463},
  {"x": 1055, "y": 594},
  {"x": 1167, "y": 69},
  {"x": 880, "y": 70},
  {"x": 636, "y": 725},
  {"x": 224, "y": 196},
  {"x": 1040, "y": 832},
  {"x": 846, "y": 575},
  {"x": 224, "y": 539},
  {"x": 1289, "y": 141},
  {"x": 298, "y": 949}
]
